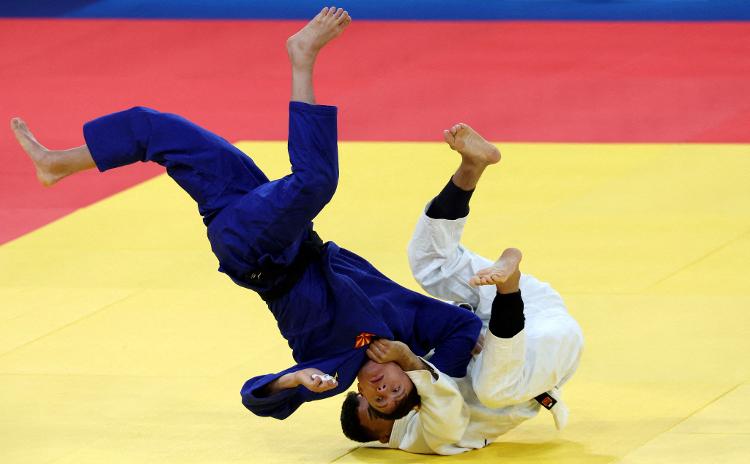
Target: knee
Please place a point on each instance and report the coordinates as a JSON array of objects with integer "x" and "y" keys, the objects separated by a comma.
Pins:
[
  {"x": 140, "y": 111},
  {"x": 496, "y": 389},
  {"x": 319, "y": 187},
  {"x": 495, "y": 398},
  {"x": 488, "y": 398},
  {"x": 141, "y": 117}
]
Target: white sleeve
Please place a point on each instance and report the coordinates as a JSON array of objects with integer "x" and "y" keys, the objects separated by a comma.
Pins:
[
  {"x": 440, "y": 264},
  {"x": 439, "y": 423}
]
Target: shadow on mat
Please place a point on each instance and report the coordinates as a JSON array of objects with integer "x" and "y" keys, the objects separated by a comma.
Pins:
[{"x": 557, "y": 451}]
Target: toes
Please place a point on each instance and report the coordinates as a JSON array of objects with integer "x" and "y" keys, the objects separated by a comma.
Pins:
[
  {"x": 481, "y": 278},
  {"x": 18, "y": 125},
  {"x": 498, "y": 278},
  {"x": 449, "y": 138},
  {"x": 344, "y": 18},
  {"x": 488, "y": 276},
  {"x": 338, "y": 13}
]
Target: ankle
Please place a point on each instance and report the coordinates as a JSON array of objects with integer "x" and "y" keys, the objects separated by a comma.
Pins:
[
  {"x": 511, "y": 285},
  {"x": 467, "y": 176}
]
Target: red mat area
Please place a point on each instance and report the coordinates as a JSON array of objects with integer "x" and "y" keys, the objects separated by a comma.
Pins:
[{"x": 515, "y": 81}]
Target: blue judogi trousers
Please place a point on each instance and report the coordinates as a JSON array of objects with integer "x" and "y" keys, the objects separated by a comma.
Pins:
[
  {"x": 339, "y": 302},
  {"x": 252, "y": 223}
]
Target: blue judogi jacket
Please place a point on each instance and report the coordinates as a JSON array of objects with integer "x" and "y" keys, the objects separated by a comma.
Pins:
[{"x": 358, "y": 299}]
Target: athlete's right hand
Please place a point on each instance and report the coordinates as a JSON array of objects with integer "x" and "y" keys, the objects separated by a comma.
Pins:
[
  {"x": 315, "y": 380},
  {"x": 383, "y": 350}
]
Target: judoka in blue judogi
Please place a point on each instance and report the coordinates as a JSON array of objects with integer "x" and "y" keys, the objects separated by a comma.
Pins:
[{"x": 259, "y": 229}]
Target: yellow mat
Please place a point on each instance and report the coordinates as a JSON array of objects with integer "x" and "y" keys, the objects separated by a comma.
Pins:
[{"x": 119, "y": 341}]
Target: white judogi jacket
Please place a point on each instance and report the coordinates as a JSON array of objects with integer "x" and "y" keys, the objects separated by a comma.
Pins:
[{"x": 498, "y": 393}]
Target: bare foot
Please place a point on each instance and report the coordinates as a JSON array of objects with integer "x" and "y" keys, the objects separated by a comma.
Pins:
[
  {"x": 502, "y": 270},
  {"x": 42, "y": 158},
  {"x": 473, "y": 147},
  {"x": 304, "y": 46}
]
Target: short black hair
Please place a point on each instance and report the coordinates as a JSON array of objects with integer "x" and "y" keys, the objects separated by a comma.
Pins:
[
  {"x": 350, "y": 424},
  {"x": 411, "y": 401}
]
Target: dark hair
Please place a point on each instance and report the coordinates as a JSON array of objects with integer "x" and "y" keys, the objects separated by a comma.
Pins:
[
  {"x": 350, "y": 424},
  {"x": 411, "y": 401}
]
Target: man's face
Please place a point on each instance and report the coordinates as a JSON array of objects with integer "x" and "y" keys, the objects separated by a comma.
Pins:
[
  {"x": 378, "y": 428},
  {"x": 383, "y": 385}
]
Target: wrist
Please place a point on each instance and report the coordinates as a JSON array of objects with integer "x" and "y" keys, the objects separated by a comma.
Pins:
[{"x": 411, "y": 362}]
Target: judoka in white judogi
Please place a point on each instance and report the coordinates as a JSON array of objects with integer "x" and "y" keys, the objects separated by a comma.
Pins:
[{"x": 499, "y": 392}]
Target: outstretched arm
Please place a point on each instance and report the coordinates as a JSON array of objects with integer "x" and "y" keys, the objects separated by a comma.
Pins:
[
  {"x": 313, "y": 379},
  {"x": 279, "y": 395}
]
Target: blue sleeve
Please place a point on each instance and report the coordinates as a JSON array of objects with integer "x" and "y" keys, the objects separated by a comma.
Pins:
[
  {"x": 280, "y": 405},
  {"x": 451, "y": 331},
  {"x": 283, "y": 404}
]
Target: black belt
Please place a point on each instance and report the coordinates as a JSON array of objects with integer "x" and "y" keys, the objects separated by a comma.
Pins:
[
  {"x": 280, "y": 280},
  {"x": 546, "y": 400}
]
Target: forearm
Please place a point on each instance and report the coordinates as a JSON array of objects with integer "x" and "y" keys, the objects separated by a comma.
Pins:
[
  {"x": 279, "y": 405},
  {"x": 284, "y": 382}
]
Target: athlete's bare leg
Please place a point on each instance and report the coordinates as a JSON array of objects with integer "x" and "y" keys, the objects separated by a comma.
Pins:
[
  {"x": 303, "y": 48},
  {"x": 51, "y": 165},
  {"x": 476, "y": 154},
  {"x": 505, "y": 273}
]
